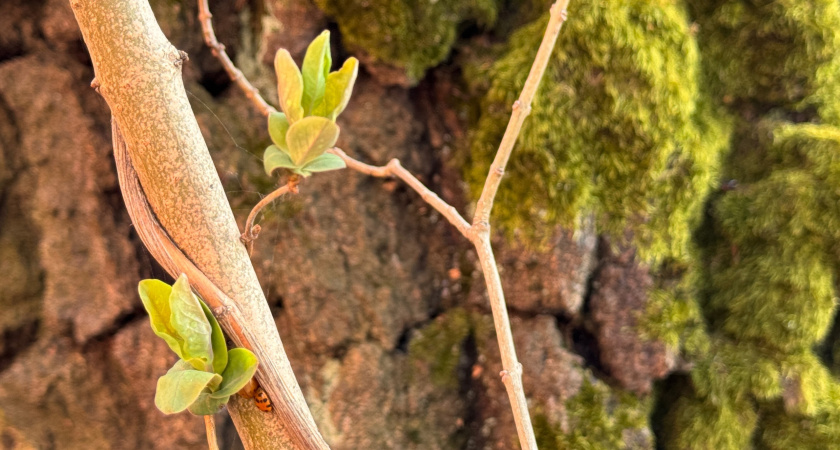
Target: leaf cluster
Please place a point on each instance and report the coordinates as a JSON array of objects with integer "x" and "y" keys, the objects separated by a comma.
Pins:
[
  {"x": 207, "y": 374},
  {"x": 311, "y": 100}
]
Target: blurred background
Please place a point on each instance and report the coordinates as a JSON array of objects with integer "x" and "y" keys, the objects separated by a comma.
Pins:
[{"x": 668, "y": 231}]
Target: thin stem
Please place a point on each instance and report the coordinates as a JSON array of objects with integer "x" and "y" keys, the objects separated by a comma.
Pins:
[
  {"x": 210, "y": 427},
  {"x": 521, "y": 109},
  {"x": 204, "y": 17},
  {"x": 252, "y": 231},
  {"x": 395, "y": 169}
]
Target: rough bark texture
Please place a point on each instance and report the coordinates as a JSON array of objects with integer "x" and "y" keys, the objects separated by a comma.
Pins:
[{"x": 380, "y": 303}]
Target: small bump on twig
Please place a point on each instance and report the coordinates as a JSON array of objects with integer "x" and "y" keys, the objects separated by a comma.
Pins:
[{"x": 181, "y": 59}]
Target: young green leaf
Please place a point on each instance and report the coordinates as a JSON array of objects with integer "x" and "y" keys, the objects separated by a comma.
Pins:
[
  {"x": 155, "y": 297},
  {"x": 241, "y": 367},
  {"x": 325, "y": 162},
  {"x": 338, "y": 90},
  {"x": 310, "y": 137},
  {"x": 189, "y": 320},
  {"x": 278, "y": 125},
  {"x": 205, "y": 405},
  {"x": 289, "y": 85},
  {"x": 274, "y": 159},
  {"x": 217, "y": 338},
  {"x": 178, "y": 389},
  {"x": 316, "y": 67}
]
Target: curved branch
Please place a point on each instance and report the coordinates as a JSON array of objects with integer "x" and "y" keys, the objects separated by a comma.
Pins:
[{"x": 230, "y": 317}]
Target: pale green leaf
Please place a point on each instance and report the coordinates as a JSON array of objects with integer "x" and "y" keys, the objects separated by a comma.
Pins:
[
  {"x": 189, "y": 320},
  {"x": 316, "y": 67},
  {"x": 289, "y": 85},
  {"x": 178, "y": 389},
  {"x": 278, "y": 125},
  {"x": 205, "y": 405},
  {"x": 338, "y": 90},
  {"x": 310, "y": 137},
  {"x": 274, "y": 159},
  {"x": 217, "y": 338},
  {"x": 324, "y": 163},
  {"x": 180, "y": 366},
  {"x": 242, "y": 365},
  {"x": 155, "y": 297}
]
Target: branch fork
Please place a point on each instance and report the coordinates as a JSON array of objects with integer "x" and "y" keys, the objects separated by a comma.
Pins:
[{"x": 478, "y": 232}]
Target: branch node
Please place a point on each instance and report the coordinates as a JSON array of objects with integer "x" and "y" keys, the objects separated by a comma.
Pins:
[
  {"x": 222, "y": 311},
  {"x": 181, "y": 59},
  {"x": 478, "y": 231},
  {"x": 560, "y": 11}
]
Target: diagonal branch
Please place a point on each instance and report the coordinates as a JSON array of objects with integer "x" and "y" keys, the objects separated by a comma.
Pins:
[
  {"x": 521, "y": 110},
  {"x": 395, "y": 169},
  {"x": 233, "y": 72}
]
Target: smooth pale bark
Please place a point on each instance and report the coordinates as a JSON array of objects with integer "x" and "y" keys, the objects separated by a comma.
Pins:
[{"x": 139, "y": 74}]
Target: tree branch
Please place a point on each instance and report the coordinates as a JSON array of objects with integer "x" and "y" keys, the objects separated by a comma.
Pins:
[
  {"x": 270, "y": 374},
  {"x": 218, "y": 49},
  {"x": 210, "y": 428},
  {"x": 521, "y": 110},
  {"x": 395, "y": 169},
  {"x": 138, "y": 73}
]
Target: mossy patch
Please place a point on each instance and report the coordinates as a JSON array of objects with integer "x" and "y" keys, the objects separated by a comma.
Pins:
[
  {"x": 412, "y": 35},
  {"x": 440, "y": 345},
  {"x": 598, "y": 418},
  {"x": 775, "y": 54},
  {"x": 620, "y": 128},
  {"x": 767, "y": 287},
  {"x": 772, "y": 266}
]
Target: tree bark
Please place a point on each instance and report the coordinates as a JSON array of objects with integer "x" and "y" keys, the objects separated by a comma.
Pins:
[{"x": 138, "y": 72}]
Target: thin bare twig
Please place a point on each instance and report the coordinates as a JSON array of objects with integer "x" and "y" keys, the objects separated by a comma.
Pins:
[
  {"x": 252, "y": 231},
  {"x": 234, "y": 73},
  {"x": 521, "y": 110},
  {"x": 210, "y": 427},
  {"x": 479, "y": 232},
  {"x": 395, "y": 169}
]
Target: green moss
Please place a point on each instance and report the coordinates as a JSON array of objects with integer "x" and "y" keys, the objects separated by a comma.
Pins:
[
  {"x": 440, "y": 344},
  {"x": 769, "y": 264},
  {"x": 699, "y": 424},
  {"x": 620, "y": 128},
  {"x": 598, "y": 418},
  {"x": 412, "y": 35},
  {"x": 671, "y": 315},
  {"x": 808, "y": 415},
  {"x": 772, "y": 266},
  {"x": 783, "y": 431},
  {"x": 782, "y": 53}
]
